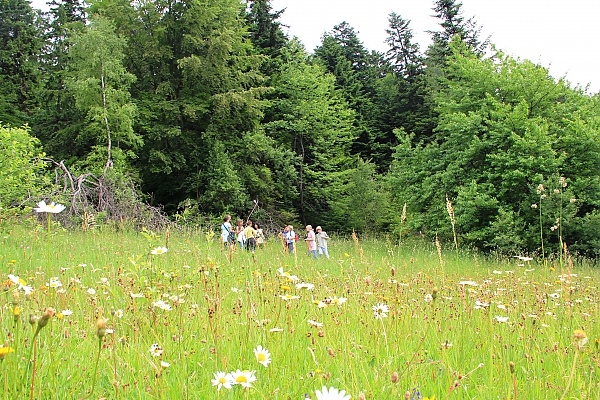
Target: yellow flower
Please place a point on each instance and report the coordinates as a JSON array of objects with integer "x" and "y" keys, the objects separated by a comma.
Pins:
[{"x": 4, "y": 351}]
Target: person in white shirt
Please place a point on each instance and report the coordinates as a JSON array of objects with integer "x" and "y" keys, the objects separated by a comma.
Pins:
[{"x": 322, "y": 239}]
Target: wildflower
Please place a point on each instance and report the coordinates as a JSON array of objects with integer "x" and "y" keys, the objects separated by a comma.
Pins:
[
  {"x": 554, "y": 295},
  {"x": 288, "y": 297},
  {"x": 581, "y": 338},
  {"x": 315, "y": 323},
  {"x": 119, "y": 313},
  {"x": 222, "y": 380},
  {"x": 4, "y": 351},
  {"x": 481, "y": 305},
  {"x": 304, "y": 285},
  {"x": 501, "y": 319},
  {"x": 395, "y": 377},
  {"x": 522, "y": 258},
  {"x": 262, "y": 356},
  {"x": 380, "y": 310},
  {"x": 66, "y": 312},
  {"x": 428, "y": 298},
  {"x": 51, "y": 208},
  {"x": 159, "y": 250},
  {"x": 243, "y": 378},
  {"x": 91, "y": 291},
  {"x": 162, "y": 305},
  {"x": 164, "y": 365},
  {"x": 468, "y": 283},
  {"x": 331, "y": 394},
  {"x": 101, "y": 327},
  {"x": 338, "y": 300},
  {"x": 155, "y": 350},
  {"x": 54, "y": 283},
  {"x": 136, "y": 295},
  {"x": 43, "y": 320},
  {"x": 446, "y": 345}
]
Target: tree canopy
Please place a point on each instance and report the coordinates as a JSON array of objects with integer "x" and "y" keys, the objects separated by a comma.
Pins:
[{"x": 209, "y": 103}]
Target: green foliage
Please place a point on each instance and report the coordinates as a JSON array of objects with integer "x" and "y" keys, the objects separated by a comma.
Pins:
[
  {"x": 20, "y": 45},
  {"x": 21, "y": 166},
  {"x": 100, "y": 85},
  {"x": 502, "y": 129},
  {"x": 363, "y": 205},
  {"x": 312, "y": 119}
]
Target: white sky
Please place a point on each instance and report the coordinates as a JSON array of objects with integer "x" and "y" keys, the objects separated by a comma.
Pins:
[{"x": 557, "y": 34}]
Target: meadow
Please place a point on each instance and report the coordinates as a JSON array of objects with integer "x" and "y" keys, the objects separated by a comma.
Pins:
[{"x": 111, "y": 314}]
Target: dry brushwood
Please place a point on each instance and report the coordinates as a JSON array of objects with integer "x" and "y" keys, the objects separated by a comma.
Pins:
[{"x": 87, "y": 196}]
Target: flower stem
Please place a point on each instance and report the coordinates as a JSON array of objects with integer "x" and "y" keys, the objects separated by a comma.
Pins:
[
  {"x": 571, "y": 376},
  {"x": 94, "y": 375}
]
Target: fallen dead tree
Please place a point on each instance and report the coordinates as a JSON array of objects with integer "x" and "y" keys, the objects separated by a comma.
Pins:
[{"x": 110, "y": 197}]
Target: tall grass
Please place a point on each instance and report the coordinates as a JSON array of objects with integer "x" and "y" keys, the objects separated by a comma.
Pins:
[{"x": 481, "y": 328}]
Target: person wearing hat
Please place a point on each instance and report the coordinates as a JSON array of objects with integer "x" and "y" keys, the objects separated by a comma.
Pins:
[{"x": 322, "y": 241}]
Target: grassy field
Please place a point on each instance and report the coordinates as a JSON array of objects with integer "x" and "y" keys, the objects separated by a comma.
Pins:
[{"x": 383, "y": 320}]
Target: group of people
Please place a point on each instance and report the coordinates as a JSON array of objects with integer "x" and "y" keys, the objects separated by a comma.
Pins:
[
  {"x": 316, "y": 242},
  {"x": 251, "y": 236},
  {"x": 246, "y": 237}
]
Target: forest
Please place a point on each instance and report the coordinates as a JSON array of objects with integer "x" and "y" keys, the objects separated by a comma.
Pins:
[{"x": 202, "y": 108}]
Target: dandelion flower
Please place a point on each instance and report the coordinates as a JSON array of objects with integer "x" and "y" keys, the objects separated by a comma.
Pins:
[
  {"x": 51, "y": 208},
  {"x": 222, "y": 380},
  {"x": 159, "y": 250},
  {"x": 331, "y": 394},
  {"x": 243, "y": 378},
  {"x": 4, "y": 351},
  {"x": 262, "y": 356}
]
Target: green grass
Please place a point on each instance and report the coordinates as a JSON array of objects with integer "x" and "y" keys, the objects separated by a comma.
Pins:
[{"x": 445, "y": 348}]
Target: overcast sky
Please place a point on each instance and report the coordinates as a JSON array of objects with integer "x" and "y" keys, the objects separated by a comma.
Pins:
[{"x": 560, "y": 35}]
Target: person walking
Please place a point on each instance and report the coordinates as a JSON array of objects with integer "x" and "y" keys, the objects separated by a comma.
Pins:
[
  {"x": 322, "y": 239},
  {"x": 311, "y": 241},
  {"x": 289, "y": 236},
  {"x": 250, "y": 235},
  {"x": 260, "y": 236},
  {"x": 226, "y": 231},
  {"x": 239, "y": 232}
]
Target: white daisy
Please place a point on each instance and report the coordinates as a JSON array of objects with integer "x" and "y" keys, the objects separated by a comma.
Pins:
[
  {"x": 262, "y": 356},
  {"x": 331, "y": 394},
  {"x": 222, "y": 380},
  {"x": 243, "y": 378}
]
